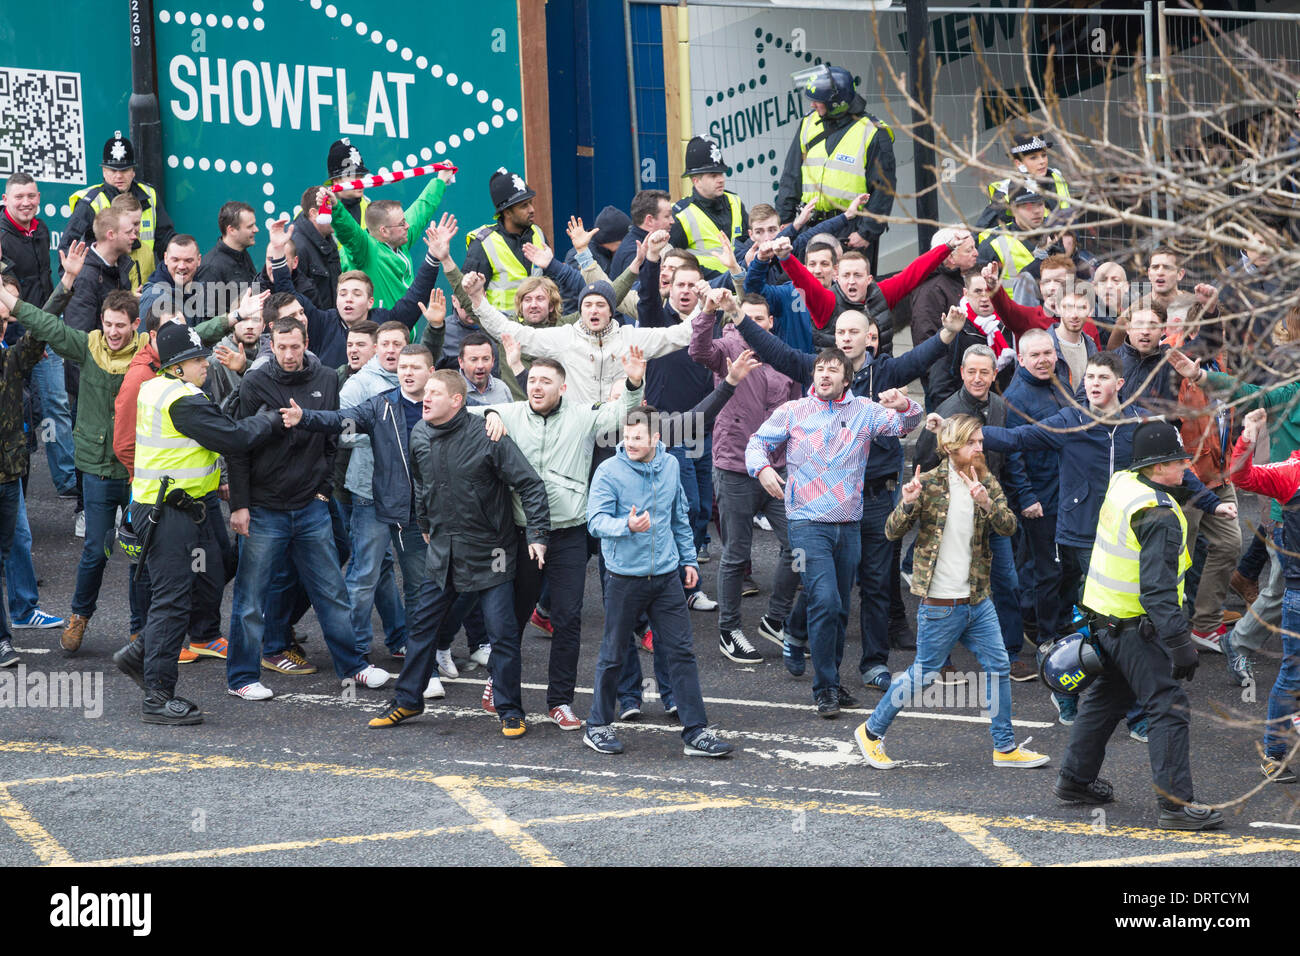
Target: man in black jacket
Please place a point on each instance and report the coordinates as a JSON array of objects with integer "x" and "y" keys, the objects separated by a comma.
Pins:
[
  {"x": 318, "y": 256},
  {"x": 227, "y": 268},
  {"x": 107, "y": 268},
  {"x": 652, "y": 210},
  {"x": 462, "y": 504},
  {"x": 279, "y": 500}
]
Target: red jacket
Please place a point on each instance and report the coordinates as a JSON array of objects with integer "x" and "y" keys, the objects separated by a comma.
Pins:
[
  {"x": 1278, "y": 480},
  {"x": 142, "y": 368},
  {"x": 1021, "y": 318},
  {"x": 821, "y": 300}
]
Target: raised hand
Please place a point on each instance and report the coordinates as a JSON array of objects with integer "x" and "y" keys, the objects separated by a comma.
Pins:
[
  {"x": 933, "y": 422},
  {"x": 250, "y": 304},
  {"x": 1183, "y": 365},
  {"x": 765, "y": 250},
  {"x": 473, "y": 283},
  {"x": 435, "y": 313},
  {"x": 979, "y": 494},
  {"x": 958, "y": 237},
  {"x": 278, "y": 237},
  {"x": 806, "y": 213},
  {"x": 540, "y": 256},
  {"x": 782, "y": 247},
  {"x": 634, "y": 365},
  {"x": 655, "y": 244},
  {"x": 446, "y": 175},
  {"x": 1252, "y": 425},
  {"x": 856, "y": 241},
  {"x": 912, "y": 490},
  {"x": 439, "y": 236},
  {"x": 72, "y": 261},
  {"x": 1207, "y": 295},
  {"x": 855, "y": 207},
  {"x": 514, "y": 353},
  {"x": 745, "y": 363},
  {"x": 991, "y": 273},
  {"x": 324, "y": 196},
  {"x": 954, "y": 320},
  {"x": 638, "y": 522},
  {"x": 234, "y": 359},
  {"x": 578, "y": 235},
  {"x": 895, "y": 399}
]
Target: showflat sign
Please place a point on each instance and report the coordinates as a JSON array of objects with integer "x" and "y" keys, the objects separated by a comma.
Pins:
[{"x": 252, "y": 93}]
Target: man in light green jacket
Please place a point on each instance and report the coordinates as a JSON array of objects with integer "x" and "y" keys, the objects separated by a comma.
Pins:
[{"x": 557, "y": 435}]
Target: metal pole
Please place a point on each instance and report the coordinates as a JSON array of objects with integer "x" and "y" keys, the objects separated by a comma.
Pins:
[
  {"x": 1164, "y": 100},
  {"x": 631, "y": 97},
  {"x": 919, "y": 85},
  {"x": 1149, "y": 41},
  {"x": 142, "y": 110}
]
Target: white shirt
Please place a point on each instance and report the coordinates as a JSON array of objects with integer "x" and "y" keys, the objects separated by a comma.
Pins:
[{"x": 951, "y": 575}]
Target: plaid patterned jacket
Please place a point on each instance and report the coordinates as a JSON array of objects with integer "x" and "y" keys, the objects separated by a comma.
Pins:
[{"x": 931, "y": 510}]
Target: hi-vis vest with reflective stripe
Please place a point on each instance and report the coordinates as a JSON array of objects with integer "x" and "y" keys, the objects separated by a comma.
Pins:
[
  {"x": 142, "y": 258},
  {"x": 1015, "y": 255},
  {"x": 1113, "y": 573},
  {"x": 160, "y": 450},
  {"x": 1003, "y": 188},
  {"x": 704, "y": 238},
  {"x": 831, "y": 181},
  {"x": 508, "y": 273}
]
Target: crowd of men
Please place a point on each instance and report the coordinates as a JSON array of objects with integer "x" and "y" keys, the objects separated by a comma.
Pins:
[{"x": 689, "y": 367}]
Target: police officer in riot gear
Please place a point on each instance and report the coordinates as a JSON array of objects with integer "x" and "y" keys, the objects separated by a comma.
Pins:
[
  {"x": 179, "y": 435},
  {"x": 156, "y": 229},
  {"x": 1134, "y": 591},
  {"x": 840, "y": 151},
  {"x": 710, "y": 220}
]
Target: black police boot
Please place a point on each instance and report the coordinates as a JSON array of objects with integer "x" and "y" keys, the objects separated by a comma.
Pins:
[
  {"x": 177, "y": 711},
  {"x": 130, "y": 661},
  {"x": 1192, "y": 816},
  {"x": 1099, "y": 791}
]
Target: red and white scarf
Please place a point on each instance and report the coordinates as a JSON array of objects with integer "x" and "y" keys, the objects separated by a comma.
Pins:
[{"x": 991, "y": 326}]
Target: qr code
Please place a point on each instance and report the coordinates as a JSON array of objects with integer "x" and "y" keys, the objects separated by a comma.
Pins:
[{"x": 42, "y": 132}]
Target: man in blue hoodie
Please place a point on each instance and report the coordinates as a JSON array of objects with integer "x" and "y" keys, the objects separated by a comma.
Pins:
[{"x": 637, "y": 507}]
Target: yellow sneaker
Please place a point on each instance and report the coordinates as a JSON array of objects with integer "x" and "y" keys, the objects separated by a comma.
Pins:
[
  {"x": 394, "y": 715},
  {"x": 873, "y": 750},
  {"x": 1019, "y": 757},
  {"x": 513, "y": 727},
  {"x": 187, "y": 656}
]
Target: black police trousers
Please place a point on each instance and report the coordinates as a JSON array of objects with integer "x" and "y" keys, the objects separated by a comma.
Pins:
[
  {"x": 185, "y": 569},
  {"x": 1137, "y": 668}
]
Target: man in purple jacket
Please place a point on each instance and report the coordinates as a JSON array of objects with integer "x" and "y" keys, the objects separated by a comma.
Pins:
[{"x": 739, "y": 496}]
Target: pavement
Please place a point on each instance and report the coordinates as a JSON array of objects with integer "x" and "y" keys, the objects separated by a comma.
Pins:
[{"x": 300, "y": 780}]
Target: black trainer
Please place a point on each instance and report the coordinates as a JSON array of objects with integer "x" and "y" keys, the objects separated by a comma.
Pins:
[
  {"x": 846, "y": 699},
  {"x": 177, "y": 711},
  {"x": 704, "y": 744},
  {"x": 1097, "y": 792},
  {"x": 130, "y": 661},
  {"x": 735, "y": 646},
  {"x": 828, "y": 703},
  {"x": 602, "y": 740},
  {"x": 1192, "y": 816},
  {"x": 8, "y": 656}
]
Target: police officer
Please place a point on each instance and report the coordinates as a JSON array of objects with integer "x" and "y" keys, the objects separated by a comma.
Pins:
[
  {"x": 710, "y": 219},
  {"x": 179, "y": 435},
  {"x": 1007, "y": 243},
  {"x": 1134, "y": 591},
  {"x": 1029, "y": 153},
  {"x": 344, "y": 164},
  {"x": 496, "y": 250},
  {"x": 156, "y": 229},
  {"x": 840, "y": 151}
]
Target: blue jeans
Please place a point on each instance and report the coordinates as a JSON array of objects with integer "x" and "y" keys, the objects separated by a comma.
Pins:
[
  {"x": 632, "y": 683},
  {"x": 20, "y": 573},
  {"x": 11, "y": 499},
  {"x": 47, "y": 379},
  {"x": 1282, "y": 698},
  {"x": 103, "y": 496},
  {"x": 938, "y": 630},
  {"x": 304, "y": 538},
  {"x": 365, "y": 575},
  {"x": 1005, "y": 587},
  {"x": 830, "y": 553}
]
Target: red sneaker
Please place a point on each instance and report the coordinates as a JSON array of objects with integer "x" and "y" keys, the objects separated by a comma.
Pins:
[
  {"x": 1210, "y": 641},
  {"x": 541, "y": 622},
  {"x": 564, "y": 717},
  {"x": 486, "y": 700},
  {"x": 648, "y": 641}
]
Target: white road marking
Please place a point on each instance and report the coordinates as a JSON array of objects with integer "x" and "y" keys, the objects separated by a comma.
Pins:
[
  {"x": 1281, "y": 826},
  {"x": 32, "y": 650}
]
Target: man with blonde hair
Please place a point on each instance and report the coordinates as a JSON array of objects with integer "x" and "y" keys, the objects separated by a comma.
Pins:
[{"x": 955, "y": 505}]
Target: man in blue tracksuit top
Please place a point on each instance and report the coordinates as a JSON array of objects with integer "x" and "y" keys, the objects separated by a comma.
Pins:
[{"x": 637, "y": 508}]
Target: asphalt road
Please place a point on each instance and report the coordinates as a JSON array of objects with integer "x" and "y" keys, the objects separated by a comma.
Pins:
[{"x": 299, "y": 780}]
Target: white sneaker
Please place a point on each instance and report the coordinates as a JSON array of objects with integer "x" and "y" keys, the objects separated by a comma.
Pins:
[
  {"x": 435, "y": 689},
  {"x": 254, "y": 691},
  {"x": 481, "y": 655},
  {"x": 760, "y": 521},
  {"x": 699, "y": 601},
  {"x": 372, "y": 677},
  {"x": 447, "y": 666},
  {"x": 79, "y": 524}
]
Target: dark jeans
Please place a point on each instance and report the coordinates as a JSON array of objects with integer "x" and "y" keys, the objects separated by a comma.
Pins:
[
  {"x": 1255, "y": 558},
  {"x": 662, "y": 599},
  {"x": 1005, "y": 591},
  {"x": 1039, "y": 571},
  {"x": 464, "y": 611},
  {"x": 877, "y": 554},
  {"x": 431, "y": 607},
  {"x": 740, "y": 497},
  {"x": 1138, "y": 669},
  {"x": 566, "y": 573},
  {"x": 179, "y": 583},
  {"x": 1074, "y": 568},
  {"x": 205, "y": 612},
  {"x": 830, "y": 553},
  {"x": 697, "y": 481},
  {"x": 103, "y": 496}
]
